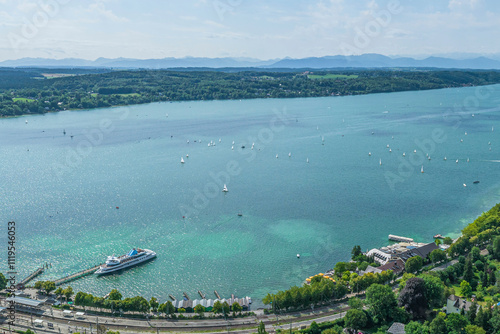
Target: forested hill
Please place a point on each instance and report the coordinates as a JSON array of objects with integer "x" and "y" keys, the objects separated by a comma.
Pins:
[{"x": 35, "y": 91}]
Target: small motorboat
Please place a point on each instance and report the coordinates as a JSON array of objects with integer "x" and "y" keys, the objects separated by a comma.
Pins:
[{"x": 475, "y": 182}]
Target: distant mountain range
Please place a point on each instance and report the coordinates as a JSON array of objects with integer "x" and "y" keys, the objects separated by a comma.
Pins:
[{"x": 328, "y": 62}]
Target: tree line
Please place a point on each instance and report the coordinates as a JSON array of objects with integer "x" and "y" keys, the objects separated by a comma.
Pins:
[{"x": 27, "y": 91}]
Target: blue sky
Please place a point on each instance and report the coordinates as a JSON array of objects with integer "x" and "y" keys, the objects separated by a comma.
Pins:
[{"x": 246, "y": 28}]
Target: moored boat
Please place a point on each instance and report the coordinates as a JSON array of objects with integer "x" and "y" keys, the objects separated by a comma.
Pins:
[{"x": 132, "y": 258}]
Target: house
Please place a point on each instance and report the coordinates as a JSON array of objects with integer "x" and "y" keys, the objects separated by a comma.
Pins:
[
  {"x": 370, "y": 269},
  {"x": 397, "y": 328},
  {"x": 397, "y": 266},
  {"x": 422, "y": 251},
  {"x": 379, "y": 256},
  {"x": 455, "y": 304}
]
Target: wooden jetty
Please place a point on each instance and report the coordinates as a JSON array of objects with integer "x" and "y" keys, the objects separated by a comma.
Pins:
[
  {"x": 201, "y": 295},
  {"x": 186, "y": 295},
  {"x": 77, "y": 275},
  {"x": 31, "y": 276},
  {"x": 172, "y": 297},
  {"x": 217, "y": 294}
]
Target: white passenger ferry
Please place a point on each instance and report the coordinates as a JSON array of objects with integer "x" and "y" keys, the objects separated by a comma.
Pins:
[{"x": 132, "y": 258}]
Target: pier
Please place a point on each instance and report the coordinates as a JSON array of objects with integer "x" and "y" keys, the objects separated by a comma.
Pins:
[
  {"x": 32, "y": 276},
  {"x": 400, "y": 239},
  {"x": 217, "y": 294},
  {"x": 201, "y": 295},
  {"x": 186, "y": 295},
  {"x": 77, "y": 275}
]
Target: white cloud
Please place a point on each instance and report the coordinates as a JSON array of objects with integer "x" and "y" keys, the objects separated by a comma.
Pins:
[{"x": 100, "y": 9}]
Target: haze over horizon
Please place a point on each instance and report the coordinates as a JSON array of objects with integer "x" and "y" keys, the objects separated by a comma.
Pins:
[{"x": 235, "y": 28}]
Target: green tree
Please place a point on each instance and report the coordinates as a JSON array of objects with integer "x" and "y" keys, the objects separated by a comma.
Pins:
[
  {"x": 225, "y": 309},
  {"x": 237, "y": 308},
  {"x": 438, "y": 325},
  {"x": 484, "y": 278},
  {"x": 199, "y": 309},
  {"x": 38, "y": 285},
  {"x": 466, "y": 289},
  {"x": 59, "y": 292},
  {"x": 68, "y": 292},
  {"x": 356, "y": 250},
  {"x": 414, "y": 264},
  {"x": 482, "y": 318},
  {"x": 471, "y": 314},
  {"x": 447, "y": 241},
  {"x": 437, "y": 242},
  {"x": 437, "y": 256},
  {"x": 355, "y": 319},
  {"x": 49, "y": 286},
  {"x": 496, "y": 248},
  {"x": 434, "y": 290},
  {"x": 217, "y": 308},
  {"x": 382, "y": 301},
  {"x": 473, "y": 329},
  {"x": 115, "y": 295},
  {"x": 492, "y": 278},
  {"x": 495, "y": 320},
  {"x": 167, "y": 308},
  {"x": 3, "y": 282},
  {"x": 468, "y": 273},
  {"x": 262, "y": 328},
  {"x": 475, "y": 254},
  {"x": 456, "y": 323},
  {"x": 153, "y": 303},
  {"x": 415, "y": 327},
  {"x": 314, "y": 328},
  {"x": 356, "y": 303}
]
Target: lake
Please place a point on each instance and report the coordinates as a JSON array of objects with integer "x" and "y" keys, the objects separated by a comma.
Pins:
[{"x": 82, "y": 185}]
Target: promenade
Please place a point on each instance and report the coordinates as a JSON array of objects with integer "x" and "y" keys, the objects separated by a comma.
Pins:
[{"x": 88, "y": 323}]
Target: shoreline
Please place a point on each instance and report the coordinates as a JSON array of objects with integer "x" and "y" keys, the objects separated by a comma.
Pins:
[{"x": 240, "y": 99}]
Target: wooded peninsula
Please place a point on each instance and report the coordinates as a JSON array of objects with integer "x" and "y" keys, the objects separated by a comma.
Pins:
[{"x": 36, "y": 90}]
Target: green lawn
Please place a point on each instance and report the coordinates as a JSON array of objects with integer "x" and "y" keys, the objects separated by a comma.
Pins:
[
  {"x": 332, "y": 76},
  {"x": 22, "y": 99}
]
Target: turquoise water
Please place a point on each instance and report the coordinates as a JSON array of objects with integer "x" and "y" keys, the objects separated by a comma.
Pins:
[{"x": 63, "y": 192}]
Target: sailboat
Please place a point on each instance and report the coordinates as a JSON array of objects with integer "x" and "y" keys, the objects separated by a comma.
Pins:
[
  {"x": 182, "y": 160},
  {"x": 380, "y": 162},
  {"x": 370, "y": 154},
  {"x": 422, "y": 169},
  {"x": 307, "y": 160},
  {"x": 224, "y": 190},
  {"x": 444, "y": 159},
  {"x": 404, "y": 154},
  {"x": 289, "y": 154}
]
